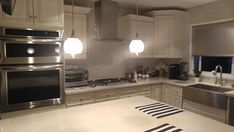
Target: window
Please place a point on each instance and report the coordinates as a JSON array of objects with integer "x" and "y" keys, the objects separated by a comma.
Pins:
[{"x": 208, "y": 63}]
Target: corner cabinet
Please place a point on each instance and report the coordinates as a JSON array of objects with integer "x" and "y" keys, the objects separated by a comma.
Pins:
[
  {"x": 130, "y": 24},
  {"x": 172, "y": 95},
  {"x": 170, "y": 33},
  {"x": 35, "y": 14},
  {"x": 79, "y": 27}
]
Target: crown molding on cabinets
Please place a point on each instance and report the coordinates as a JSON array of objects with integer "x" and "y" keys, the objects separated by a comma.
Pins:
[{"x": 77, "y": 9}]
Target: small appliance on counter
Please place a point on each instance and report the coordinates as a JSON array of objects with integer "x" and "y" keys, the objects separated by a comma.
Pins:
[
  {"x": 174, "y": 71},
  {"x": 75, "y": 76}
]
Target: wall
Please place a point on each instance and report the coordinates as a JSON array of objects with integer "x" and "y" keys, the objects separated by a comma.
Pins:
[
  {"x": 110, "y": 58},
  {"x": 215, "y": 11}
]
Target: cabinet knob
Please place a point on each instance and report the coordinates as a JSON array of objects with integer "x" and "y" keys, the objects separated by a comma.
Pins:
[{"x": 30, "y": 51}]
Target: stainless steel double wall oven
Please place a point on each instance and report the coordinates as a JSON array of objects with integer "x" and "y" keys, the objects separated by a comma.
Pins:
[{"x": 31, "y": 66}]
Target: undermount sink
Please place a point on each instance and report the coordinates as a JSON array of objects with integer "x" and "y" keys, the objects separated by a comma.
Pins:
[
  {"x": 207, "y": 95},
  {"x": 210, "y": 88}
]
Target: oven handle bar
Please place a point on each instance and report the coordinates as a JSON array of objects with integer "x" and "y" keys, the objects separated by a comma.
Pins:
[{"x": 31, "y": 67}]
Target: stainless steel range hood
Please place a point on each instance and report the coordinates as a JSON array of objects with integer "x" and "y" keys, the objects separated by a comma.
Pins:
[{"x": 106, "y": 13}]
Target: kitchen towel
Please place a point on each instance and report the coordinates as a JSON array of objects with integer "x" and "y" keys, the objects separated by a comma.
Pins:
[
  {"x": 159, "y": 109},
  {"x": 165, "y": 128}
]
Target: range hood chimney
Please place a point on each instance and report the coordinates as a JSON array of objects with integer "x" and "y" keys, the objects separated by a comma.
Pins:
[{"x": 106, "y": 13}]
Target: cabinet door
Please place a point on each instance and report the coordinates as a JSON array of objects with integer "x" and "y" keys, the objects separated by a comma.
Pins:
[
  {"x": 48, "y": 12},
  {"x": 166, "y": 94},
  {"x": 146, "y": 34},
  {"x": 162, "y": 36},
  {"x": 80, "y": 31},
  {"x": 22, "y": 15},
  {"x": 177, "y": 101},
  {"x": 157, "y": 92}
]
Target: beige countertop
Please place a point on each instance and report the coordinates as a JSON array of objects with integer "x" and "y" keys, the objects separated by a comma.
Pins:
[
  {"x": 110, "y": 116},
  {"x": 152, "y": 81}
]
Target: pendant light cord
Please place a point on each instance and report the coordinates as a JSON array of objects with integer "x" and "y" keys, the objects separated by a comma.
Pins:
[
  {"x": 73, "y": 31},
  {"x": 137, "y": 12}
]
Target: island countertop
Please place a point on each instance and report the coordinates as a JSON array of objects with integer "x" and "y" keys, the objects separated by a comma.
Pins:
[{"x": 110, "y": 116}]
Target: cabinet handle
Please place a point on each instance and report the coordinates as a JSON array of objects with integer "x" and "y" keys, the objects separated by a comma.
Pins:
[
  {"x": 35, "y": 17},
  {"x": 30, "y": 17},
  {"x": 81, "y": 99}
]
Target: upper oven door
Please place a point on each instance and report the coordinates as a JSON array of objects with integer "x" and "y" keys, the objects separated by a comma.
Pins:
[{"x": 30, "y": 52}]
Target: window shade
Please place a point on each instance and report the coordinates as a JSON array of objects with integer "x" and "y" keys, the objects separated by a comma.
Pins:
[{"x": 213, "y": 39}]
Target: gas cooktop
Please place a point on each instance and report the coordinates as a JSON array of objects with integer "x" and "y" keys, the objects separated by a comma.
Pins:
[{"x": 110, "y": 82}]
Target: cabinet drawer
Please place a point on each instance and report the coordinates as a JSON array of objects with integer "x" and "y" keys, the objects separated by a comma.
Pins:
[
  {"x": 106, "y": 95},
  {"x": 129, "y": 92},
  {"x": 177, "y": 91},
  {"x": 146, "y": 90},
  {"x": 79, "y": 99}
]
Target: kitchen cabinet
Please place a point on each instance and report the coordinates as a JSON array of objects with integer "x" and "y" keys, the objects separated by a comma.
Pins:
[
  {"x": 161, "y": 92},
  {"x": 79, "y": 27},
  {"x": 172, "y": 95},
  {"x": 106, "y": 95},
  {"x": 145, "y": 91},
  {"x": 79, "y": 99},
  {"x": 21, "y": 14},
  {"x": 35, "y": 14},
  {"x": 157, "y": 92},
  {"x": 210, "y": 112},
  {"x": 127, "y": 92},
  {"x": 170, "y": 33},
  {"x": 48, "y": 12},
  {"x": 130, "y": 24}
]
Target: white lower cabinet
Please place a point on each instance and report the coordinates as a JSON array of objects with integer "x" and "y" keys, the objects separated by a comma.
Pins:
[
  {"x": 145, "y": 91},
  {"x": 78, "y": 99},
  {"x": 172, "y": 95},
  {"x": 210, "y": 112},
  {"x": 106, "y": 95},
  {"x": 157, "y": 92},
  {"x": 166, "y": 93}
]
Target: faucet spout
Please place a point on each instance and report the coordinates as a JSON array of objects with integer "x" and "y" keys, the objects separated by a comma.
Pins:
[{"x": 221, "y": 81}]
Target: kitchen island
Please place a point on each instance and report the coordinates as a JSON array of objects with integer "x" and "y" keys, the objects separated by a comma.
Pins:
[{"x": 111, "y": 116}]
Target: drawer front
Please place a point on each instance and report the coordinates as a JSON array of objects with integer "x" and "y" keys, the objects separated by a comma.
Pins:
[
  {"x": 106, "y": 95},
  {"x": 145, "y": 90},
  {"x": 79, "y": 99},
  {"x": 129, "y": 92}
]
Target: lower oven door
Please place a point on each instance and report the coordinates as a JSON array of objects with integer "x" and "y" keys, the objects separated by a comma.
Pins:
[{"x": 24, "y": 87}]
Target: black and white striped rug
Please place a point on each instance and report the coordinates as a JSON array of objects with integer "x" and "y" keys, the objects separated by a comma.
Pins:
[
  {"x": 165, "y": 128},
  {"x": 159, "y": 109}
]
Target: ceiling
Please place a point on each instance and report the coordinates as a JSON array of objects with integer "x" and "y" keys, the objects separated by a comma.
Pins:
[{"x": 150, "y": 4}]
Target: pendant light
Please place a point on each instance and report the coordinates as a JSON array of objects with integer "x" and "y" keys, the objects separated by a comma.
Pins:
[
  {"x": 73, "y": 45},
  {"x": 136, "y": 46}
]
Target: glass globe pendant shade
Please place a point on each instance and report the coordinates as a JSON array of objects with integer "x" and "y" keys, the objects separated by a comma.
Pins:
[
  {"x": 136, "y": 46},
  {"x": 73, "y": 46}
]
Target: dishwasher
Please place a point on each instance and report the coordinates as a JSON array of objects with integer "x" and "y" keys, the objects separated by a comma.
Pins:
[{"x": 231, "y": 111}]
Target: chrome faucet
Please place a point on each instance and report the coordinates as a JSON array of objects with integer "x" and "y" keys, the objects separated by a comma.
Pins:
[{"x": 221, "y": 81}]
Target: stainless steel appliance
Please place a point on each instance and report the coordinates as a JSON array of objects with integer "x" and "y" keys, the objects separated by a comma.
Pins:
[
  {"x": 31, "y": 67},
  {"x": 174, "y": 71},
  {"x": 231, "y": 111},
  {"x": 19, "y": 46},
  {"x": 31, "y": 86},
  {"x": 110, "y": 82},
  {"x": 75, "y": 76}
]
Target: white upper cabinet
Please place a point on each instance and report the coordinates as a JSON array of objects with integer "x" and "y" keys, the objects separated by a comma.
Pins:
[
  {"x": 129, "y": 25},
  {"x": 21, "y": 14},
  {"x": 169, "y": 33},
  {"x": 47, "y": 14},
  {"x": 79, "y": 27}
]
